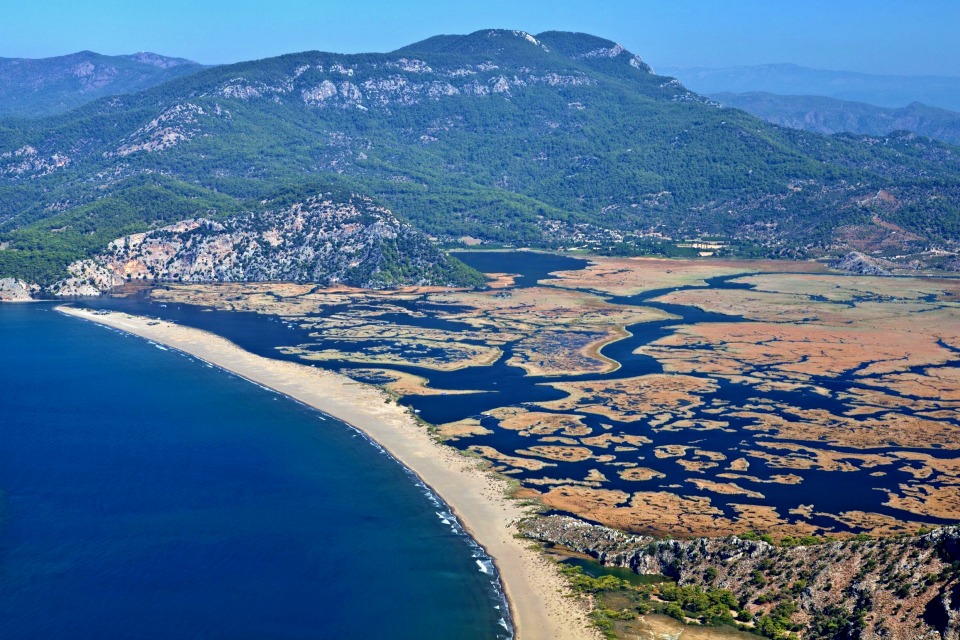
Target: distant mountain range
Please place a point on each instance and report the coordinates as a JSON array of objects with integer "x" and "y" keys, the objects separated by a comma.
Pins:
[
  {"x": 30, "y": 88},
  {"x": 555, "y": 140},
  {"x": 829, "y": 115},
  {"x": 790, "y": 79}
]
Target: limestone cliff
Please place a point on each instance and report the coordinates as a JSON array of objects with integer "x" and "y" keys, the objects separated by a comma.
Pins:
[
  {"x": 13, "y": 290},
  {"x": 860, "y": 264},
  {"x": 905, "y": 587},
  {"x": 320, "y": 239}
]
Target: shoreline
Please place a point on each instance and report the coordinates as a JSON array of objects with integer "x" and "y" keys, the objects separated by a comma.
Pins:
[{"x": 535, "y": 592}]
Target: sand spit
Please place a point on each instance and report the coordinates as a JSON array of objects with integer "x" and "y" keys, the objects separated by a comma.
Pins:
[{"x": 537, "y": 593}]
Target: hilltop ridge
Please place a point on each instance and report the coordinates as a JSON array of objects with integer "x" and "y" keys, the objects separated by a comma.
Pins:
[
  {"x": 889, "y": 91},
  {"x": 31, "y": 88},
  {"x": 554, "y": 140},
  {"x": 829, "y": 115}
]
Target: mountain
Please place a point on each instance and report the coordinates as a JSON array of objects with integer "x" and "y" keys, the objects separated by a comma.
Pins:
[
  {"x": 829, "y": 115},
  {"x": 40, "y": 87},
  {"x": 553, "y": 140},
  {"x": 790, "y": 79}
]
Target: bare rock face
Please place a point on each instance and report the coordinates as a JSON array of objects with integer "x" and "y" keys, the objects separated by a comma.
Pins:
[
  {"x": 322, "y": 240},
  {"x": 28, "y": 162},
  {"x": 860, "y": 264},
  {"x": 905, "y": 587},
  {"x": 13, "y": 290},
  {"x": 88, "y": 278}
]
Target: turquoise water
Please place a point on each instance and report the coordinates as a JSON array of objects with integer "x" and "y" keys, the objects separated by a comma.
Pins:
[{"x": 144, "y": 495}]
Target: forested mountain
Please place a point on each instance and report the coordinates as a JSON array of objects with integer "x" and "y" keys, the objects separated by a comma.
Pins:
[
  {"x": 794, "y": 80},
  {"x": 40, "y": 87},
  {"x": 558, "y": 139},
  {"x": 328, "y": 238},
  {"x": 829, "y": 115}
]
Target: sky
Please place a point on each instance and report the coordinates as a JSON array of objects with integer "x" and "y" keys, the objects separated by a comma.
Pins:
[{"x": 873, "y": 36}]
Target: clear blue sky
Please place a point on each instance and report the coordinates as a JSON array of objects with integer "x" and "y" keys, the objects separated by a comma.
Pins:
[{"x": 875, "y": 36}]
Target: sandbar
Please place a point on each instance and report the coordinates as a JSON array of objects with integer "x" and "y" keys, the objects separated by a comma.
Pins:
[{"x": 538, "y": 596}]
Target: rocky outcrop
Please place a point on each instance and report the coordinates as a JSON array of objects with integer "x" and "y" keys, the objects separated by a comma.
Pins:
[
  {"x": 403, "y": 90},
  {"x": 28, "y": 162},
  {"x": 321, "y": 239},
  {"x": 13, "y": 290},
  {"x": 860, "y": 264},
  {"x": 175, "y": 125},
  {"x": 906, "y": 587}
]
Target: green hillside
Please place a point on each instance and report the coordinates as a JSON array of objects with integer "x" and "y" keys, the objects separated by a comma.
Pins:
[{"x": 555, "y": 140}]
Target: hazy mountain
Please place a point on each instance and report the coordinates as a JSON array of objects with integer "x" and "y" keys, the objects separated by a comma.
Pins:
[
  {"x": 39, "y": 87},
  {"x": 829, "y": 115},
  {"x": 553, "y": 140},
  {"x": 790, "y": 79}
]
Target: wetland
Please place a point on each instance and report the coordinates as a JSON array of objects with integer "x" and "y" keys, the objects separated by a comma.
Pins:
[{"x": 678, "y": 398}]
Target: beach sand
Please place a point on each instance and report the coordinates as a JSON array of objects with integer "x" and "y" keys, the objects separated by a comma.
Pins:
[{"x": 539, "y": 597}]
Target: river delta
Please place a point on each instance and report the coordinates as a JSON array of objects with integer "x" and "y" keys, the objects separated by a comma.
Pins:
[{"x": 679, "y": 398}]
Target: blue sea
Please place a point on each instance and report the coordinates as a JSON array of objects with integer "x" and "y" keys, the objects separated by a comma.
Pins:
[{"x": 144, "y": 494}]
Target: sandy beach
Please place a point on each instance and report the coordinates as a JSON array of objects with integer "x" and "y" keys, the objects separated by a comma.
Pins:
[{"x": 538, "y": 595}]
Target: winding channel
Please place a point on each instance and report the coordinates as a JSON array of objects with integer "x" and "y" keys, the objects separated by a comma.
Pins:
[{"x": 501, "y": 385}]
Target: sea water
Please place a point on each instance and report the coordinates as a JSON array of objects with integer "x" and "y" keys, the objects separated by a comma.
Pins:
[{"x": 145, "y": 494}]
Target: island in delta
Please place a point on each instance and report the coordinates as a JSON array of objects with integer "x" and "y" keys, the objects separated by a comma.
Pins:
[{"x": 717, "y": 393}]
